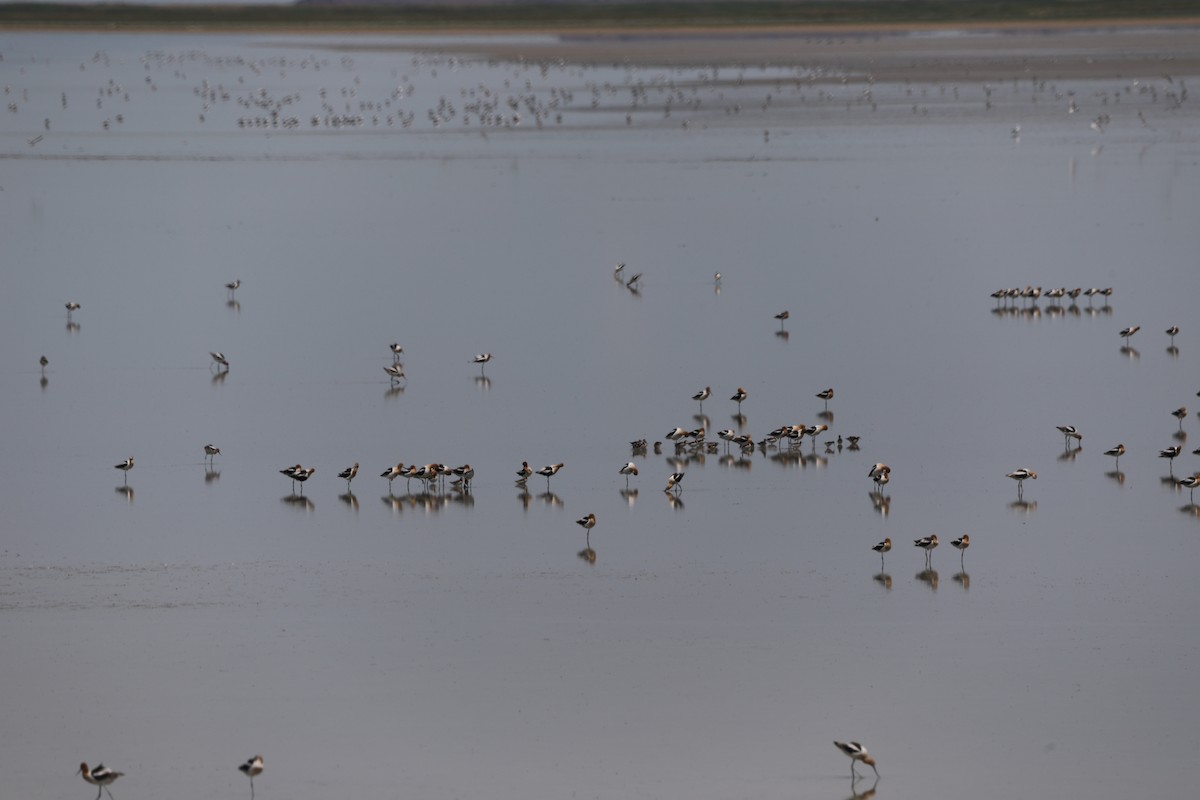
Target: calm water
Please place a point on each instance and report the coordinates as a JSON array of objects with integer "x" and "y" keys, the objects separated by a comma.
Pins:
[{"x": 449, "y": 645}]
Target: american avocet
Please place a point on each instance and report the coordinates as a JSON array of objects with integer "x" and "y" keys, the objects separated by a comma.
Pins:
[
  {"x": 673, "y": 482},
  {"x": 1020, "y": 476},
  {"x": 302, "y": 475},
  {"x": 44, "y": 362},
  {"x": 738, "y": 397},
  {"x": 1069, "y": 432},
  {"x": 482, "y": 359},
  {"x": 587, "y": 523},
  {"x": 927, "y": 543},
  {"x": 1116, "y": 452},
  {"x": 101, "y": 776},
  {"x": 397, "y": 350},
  {"x": 1172, "y": 331},
  {"x": 782, "y": 316},
  {"x": 211, "y": 450},
  {"x": 291, "y": 473},
  {"x": 676, "y": 433},
  {"x": 125, "y": 466},
  {"x": 1190, "y": 483},
  {"x": 549, "y": 470},
  {"x": 220, "y": 360},
  {"x": 629, "y": 284},
  {"x": 395, "y": 372},
  {"x": 465, "y": 473},
  {"x": 627, "y": 470},
  {"x": 524, "y": 472},
  {"x": 348, "y": 474},
  {"x": 1106, "y": 293},
  {"x": 233, "y": 285},
  {"x": 856, "y": 752},
  {"x": 391, "y": 473},
  {"x": 1074, "y": 293},
  {"x": 961, "y": 545},
  {"x": 252, "y": 767},
  {"x": 620, "y": 266},
  {"x": 71, "y": 307},
  {"x": 1130, "y": 331},
  {"x": 826, "y": 395},
  {"x": 883, "y": 547},
  {"x": 1179, "y": 414},
  {"x": 702, "y": 395}
]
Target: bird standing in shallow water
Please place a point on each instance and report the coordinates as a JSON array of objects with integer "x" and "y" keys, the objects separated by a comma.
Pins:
[
  {"x": 1172, "y": 331},
  {"x": 44, "y": 362},
  {"x": 125, "y": 466},
  {"x": 348, "y": 474},
  {"x": 220, "y": 360},
  {"x": 1130, "y": 331},
  {"x": 101, "y": 776},
  {"x": 927, "y": 543},
  {"x": 738, "y": 397},
  {"x": 1116, "y": 452},
  {"x": 211, "y": 451},
  {"x": 826, "y": 395},
  {"x": 883, "y": 547},
  {"x": 627, "y": 470},
  {"x": 702, "y": 395},
  {"x": 1020, "y": 476},
  {"x": 482, "y": 359},
  {"x": 252, "y": 767},
  {"x": 1180, "y": 414},
  {"x": 673, "y": 482},
  {"x": 961, "y": 546},
  {"x": 587, "y": 523},
  {"x": 856, "y": 752},
  {"x": 552, "y": 469}
]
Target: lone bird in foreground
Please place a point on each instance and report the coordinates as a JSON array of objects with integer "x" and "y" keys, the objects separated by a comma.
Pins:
[
  {"x": 101, "y": 776},
  {"x": 232, "y": 286},
  {"x": 211, "y": 450},
  {"x": 826, "y": 395},
  {"x": 856, "y": 752},
  {"x": 1173, "y": 331},
  {"x": 220, "y": 360},
  {"x": 251, "y": 768}
]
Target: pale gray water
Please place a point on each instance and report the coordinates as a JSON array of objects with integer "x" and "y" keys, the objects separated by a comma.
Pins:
[{"x": 373, "y": 646}]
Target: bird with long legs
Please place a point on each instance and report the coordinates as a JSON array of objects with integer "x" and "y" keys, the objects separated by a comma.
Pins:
[
  {"x": 1020, "y": 476},
  {"x": 883, "y": 547},
  {"x": 548, "y": 471},
  {"x": 71, "y": 308},
  {"x": 348, "y": 474},
  {"x": 291, "y": 473},
  {"x": 1180, "y": 414},
  {"x": 1116, "y": 452},
  {"x": 1069, "y": 432},
  {"x": 101, "y": 776},
  {"x": 587, "y": 523},
  {"x": 701, "y": 396},
  {"x": 232, "y": 286},
  {"x": 211, "y": 451},
  {"x": 125, "y": 466},
  {"x": 927, "y": 543},
  {"x": 1126, "y": 333},
  {"x": 219, "y": 360},
  {"x": 1190, "y": 483},
  {"x": 1173, "y": 331},
  {"x": 857, "y": 753},
  {"x": 252, "y": 768},
  {"x": 738, "y": 397},
  {"x": 961, "y": 545},
  {"x": 482, "y": 359},
  {"x": 627, "y": 470},
  {"x": 826, "y": 395}
]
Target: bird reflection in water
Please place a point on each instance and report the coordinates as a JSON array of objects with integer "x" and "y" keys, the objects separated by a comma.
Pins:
[
  {"x": 550, "y": 499},
  {"x": 125, "y": 490},
  {"x": 587, "y": 553},
  {"x": 1023, "y": 506},
  {"x": 740, "y": 419},
  {"x": 881, "y": 502},
  {"x": 884, "y": 580},
  {"x": 483, "y": 383},
  {"x": 234, "y": 306},
  {"x": 393, "y": 502},
  {"x": 349, "y": 499},
  {"x": 218, "y": 378},
  {"x": 393, "y": 391},
  {"x": 1070, "y": 453},
  {"x": 629, "y": 495},
  {"x": 211, "y": 474},
  {"x": 462, "y": 498},
  {"x": 783, "y": 334},
  {"x": 963, "y": 580},
  {"x": 45, "y": 382},
  {"x": 298, "y": 501},
  {"x": 1117, "y": 476},
  {"x": 674, "y": 501},
  {"x": 1191, "y": 509},
  {"x": 861, "y": 794},
  {"x": 929, "y": 577},
  {"x": 1130, "y": 352}
]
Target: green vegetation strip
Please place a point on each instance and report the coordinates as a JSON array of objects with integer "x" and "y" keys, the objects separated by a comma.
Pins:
[{"x": 582, "y": 15}]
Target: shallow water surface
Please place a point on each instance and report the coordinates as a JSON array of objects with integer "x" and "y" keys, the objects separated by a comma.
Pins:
[{"x": 709, "y": 643}]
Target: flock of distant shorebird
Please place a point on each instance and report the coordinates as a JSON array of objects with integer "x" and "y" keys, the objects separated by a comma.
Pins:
[{"x": 434, "y": 474}]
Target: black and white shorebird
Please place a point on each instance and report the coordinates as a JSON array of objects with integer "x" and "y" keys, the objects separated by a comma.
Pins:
[
  {"x": 1130, "y": 331},
  {"x": 466, "y": 474},
  {"x": 395, "y": 372},
  {"x": 702, "y": 395},
  {"x": 1180, "y": 414},
  {"x": 1190, "y": 483},
  {"x": 627, "y": 470},
  {"x": 219, "y": 360},
  {"x": 880, "y": 473},
  {"x": 210, "y": 451},
  {"x": 101, "y": 776},
  {"x": 250, "y": 769},
  {"x": 1116, "y": 452},
  {"x": 673, "y": 481},
  {"x": 232, "y": 286},
  {"x": 1173, "y": 331},
  {"x": 291, "y": 473},
  {"x": 587, "y": 523},
  {"x": 1069, "y": 432},
  {"x": 961, "y": 546},
  {"x": 1020, "y": 476},
  {"x": 826, "y": 395},
  {"x": 738, "y": 397},
  {"x": 44, "y": 362},
  {"x": 482, "y": 359},
  {"x": 883, "y": 547},
  {"x": 549, "y": 471},
  {"x": 125, "y": 466},
  {"x": 302, "y": 475},
  {"x": 397, "y": 350},
  {"x": 391, "y": 473},
  {"x": 71, "y": 308},
  {"x": 629, "y": 284},
  {"x": 524, "y": 472},
  {"x": 857, "y": 753},
  {"x": 348, "y": 474},
  {"x": 926, "y": 543},
  {"x": 782, "y": 316}
]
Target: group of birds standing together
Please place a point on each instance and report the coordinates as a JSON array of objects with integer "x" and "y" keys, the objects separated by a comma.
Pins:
[{"x": 103, "y": 777}]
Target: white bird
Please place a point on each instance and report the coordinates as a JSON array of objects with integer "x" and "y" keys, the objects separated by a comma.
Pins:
[{"x": 856, "y": 752}]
